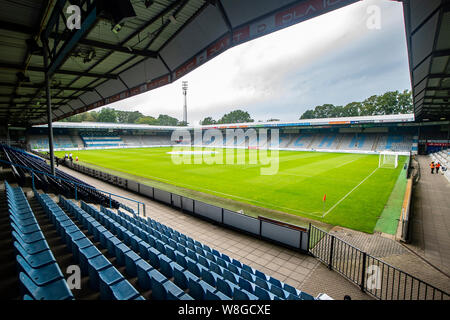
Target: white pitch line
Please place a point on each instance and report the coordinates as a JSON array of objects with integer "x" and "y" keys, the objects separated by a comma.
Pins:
[{"x": 343, "y": 198}]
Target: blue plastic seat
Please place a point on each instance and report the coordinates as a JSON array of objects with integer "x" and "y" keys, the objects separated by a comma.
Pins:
[
  {"x": 166, "y": 266},
  {"x": 262, "y": 283},
  {"x": 40, "y": 276},
  {"x": 210, "y": 277},
  {"x": 104, "y": 236},
  {"x": 123, "y": 290},
  {"x": 291, "y": 289},
  {"x": 182, "y": 277},
  {"x": 35, "y": 260},
  {"x": 225, "y": 287},
  {"x": 241, "y": 294},
  {"x": 111, "y": 244},
  {"x": 170, "y": 253},
  {"x": 248, "y": 276},
  {"x": 143, "y": 250},
  {"x": 293, "y": 297},
  {"x": 96, "y": 265},
  {"x": 31, "y": 248},
  {"x": 131, "y": 258},
  {"x": 121, "y": 250},
  {"x": 181, "y": 259},
  {"x": 159, "y": 291},
  {"x": 246, "y": 285},
  {"x": 142, "y": 270},
  {"x": 275, "y": 282},
  {"x": 196, "y": 290},
  {"x": 56, "y": 290},
  {"x": 108, "y": 277},
  {"x": 306, "y": 296},
  {"x": 153, "y": 257},
  {"x": 84, "y": 255},
  {"x": 227, "y": 274},
  {"x": 278, "y": 291},
  {"x": 173, "y": 291},
  {"x": 216, "y": 296},
  {"x": 263, "y": 294}
]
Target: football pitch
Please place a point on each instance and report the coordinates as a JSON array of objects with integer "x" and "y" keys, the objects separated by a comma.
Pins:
[{"x": 356, "y": 189}]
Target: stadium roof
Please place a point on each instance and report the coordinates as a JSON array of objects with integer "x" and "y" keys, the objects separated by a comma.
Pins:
[
  {"x": 93, "y": 66},
  {"x": 428, "y": 35},
  {"x": 300, "y": 123}
]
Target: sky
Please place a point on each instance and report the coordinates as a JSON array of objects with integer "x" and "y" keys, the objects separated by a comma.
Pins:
[{"x": 334, "y": 58}]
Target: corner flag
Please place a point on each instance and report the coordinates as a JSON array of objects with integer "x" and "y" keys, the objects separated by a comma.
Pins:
[{"x": 324, "y": 197}]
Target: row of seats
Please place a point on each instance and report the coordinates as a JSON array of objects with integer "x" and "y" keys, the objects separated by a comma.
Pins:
[
  {"x": 39, "y": 274},
  {"x": 189, "y": 261},
  {"x": 42, "y": 181},
  {"x": 103, "y": 276},
  {"x": 118, "y": 243}
]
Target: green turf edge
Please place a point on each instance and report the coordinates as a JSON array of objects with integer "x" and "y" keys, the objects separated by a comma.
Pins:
[
  {"x": 388, "y": 220},
  {"x": 233, "y": 205}
]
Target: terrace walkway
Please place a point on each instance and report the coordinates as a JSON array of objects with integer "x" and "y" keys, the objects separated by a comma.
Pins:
[
  {"x": 430, "y": 230},
  {"x": 299, "y": 270}
]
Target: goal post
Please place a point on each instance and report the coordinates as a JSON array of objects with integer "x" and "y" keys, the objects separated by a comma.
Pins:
[{"x": 388, "y": 160}]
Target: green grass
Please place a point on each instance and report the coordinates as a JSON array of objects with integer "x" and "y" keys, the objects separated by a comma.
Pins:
[{"x": 297, "y": 188}]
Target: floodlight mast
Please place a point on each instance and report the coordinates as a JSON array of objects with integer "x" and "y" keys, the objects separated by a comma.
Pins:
[{"x": 184, "y": 86}]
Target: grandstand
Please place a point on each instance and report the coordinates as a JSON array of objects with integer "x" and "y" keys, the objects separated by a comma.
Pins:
[
  {"x": 54, "y": 221},
  {"x": 354, "y": 134}
]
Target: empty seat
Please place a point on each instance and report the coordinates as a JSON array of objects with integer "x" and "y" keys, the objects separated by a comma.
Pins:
[{"x": 56, "y": 290}]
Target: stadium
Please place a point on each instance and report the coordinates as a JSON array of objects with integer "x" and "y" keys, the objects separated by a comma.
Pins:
[{"x": 329, "y": 208}]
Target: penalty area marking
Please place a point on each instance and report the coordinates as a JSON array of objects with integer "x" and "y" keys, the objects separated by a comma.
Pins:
[{"x": 343, "y": 198}]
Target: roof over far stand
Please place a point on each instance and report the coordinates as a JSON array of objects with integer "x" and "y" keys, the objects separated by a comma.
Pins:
[{"x": 399, "y": 118}]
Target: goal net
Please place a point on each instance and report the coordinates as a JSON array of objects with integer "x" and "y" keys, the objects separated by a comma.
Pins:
[{"x": 388, "y": 160}]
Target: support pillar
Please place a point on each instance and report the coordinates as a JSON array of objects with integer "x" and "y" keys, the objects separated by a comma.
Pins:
[{"x": 49, "y": 112}]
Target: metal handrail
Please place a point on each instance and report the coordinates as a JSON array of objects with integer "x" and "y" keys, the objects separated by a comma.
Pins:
[
  {"x": 326, "y": 256},
  {"x": 76, "y": 184}
]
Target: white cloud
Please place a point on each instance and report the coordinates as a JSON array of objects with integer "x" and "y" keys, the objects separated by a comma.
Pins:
[{"x": 282, "y": 74}]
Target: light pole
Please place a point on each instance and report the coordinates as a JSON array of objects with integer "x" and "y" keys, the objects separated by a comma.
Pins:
[{"x": 184, "y": 86}]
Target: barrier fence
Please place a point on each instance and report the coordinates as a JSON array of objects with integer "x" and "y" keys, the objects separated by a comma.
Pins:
[{"x": 373, "y": 276}]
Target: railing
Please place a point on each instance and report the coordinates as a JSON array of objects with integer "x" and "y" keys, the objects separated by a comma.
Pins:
[
  {"x": 33, "y": 172},
  {"x": 373, "y": 276}
]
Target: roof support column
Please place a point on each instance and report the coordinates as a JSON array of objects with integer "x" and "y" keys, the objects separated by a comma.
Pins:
[{"x": 49, "y": 112}]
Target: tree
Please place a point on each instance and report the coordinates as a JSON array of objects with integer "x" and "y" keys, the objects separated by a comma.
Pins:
[
  {"x": 308, "y": 114},
  {"x": 236, "y": 116},
  {"x": 128, "y": 116},
  {"x": 208, "y": 121},
  {"x": 107, "y": 115},
  {"x": 165, "y": 120},
  {"x": 89, "y": 116},
  {"x": 391, "y": 102},
  {"x": 147, "y": 120},
  {"x": 133, "y": 116},
  {"x": 352, "y": 109}
]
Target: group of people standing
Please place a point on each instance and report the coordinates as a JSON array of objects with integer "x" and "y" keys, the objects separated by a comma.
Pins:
[
  {"x": 436, "y": 166},
  {"x": 66, "y": 157}
]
